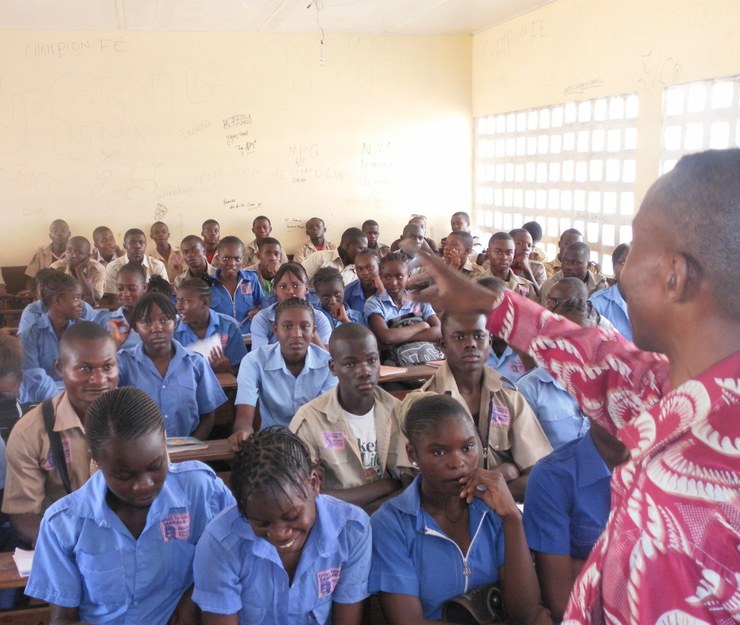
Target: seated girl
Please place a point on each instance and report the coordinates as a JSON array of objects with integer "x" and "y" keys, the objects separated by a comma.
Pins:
[
  {"x": 454, "y": 529},
  {"x": 329, "y": 286},
  {"x": 284, "y": 553},
  {"x": 290, "y": 281},
  {"x": 131, "y": 285},
  {"x": 280, "y": 378},
  {"x": 180, "y": 382},
  {"x": 235, "y": 291},
  {"x": 394, "y": 307},
  {"x": 199, "y": 322},
  {"x": 120, "y": 549}
]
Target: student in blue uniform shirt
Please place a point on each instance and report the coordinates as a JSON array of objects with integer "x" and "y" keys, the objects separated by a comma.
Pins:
[
  {"x": 235, "y": 291},
  {"x": 181, "y": 382},
  {"x": 609, "y": 303},
  {"x": 453, "y": 507},
  {"x": 198, "y": 322},
  {"x": 566, "y": 508},
  {"x": 131, "y": 285},
  {"x": 120, "y": 549},
  {"x": 34, "y": 310},
  {"x": 368, "y": 280},
  {"x": 329, "y": 287},
  {"x": 289, "y": 281},
  {"x": 61, "y": 295},
  {"x": 280, "y": 378},
  {"x": 284, "y": 554}
]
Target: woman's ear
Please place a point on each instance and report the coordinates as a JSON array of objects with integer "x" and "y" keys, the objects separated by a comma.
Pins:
[
  {"x": 411, "y": 453},
  {"x": 315, "y": 482}
]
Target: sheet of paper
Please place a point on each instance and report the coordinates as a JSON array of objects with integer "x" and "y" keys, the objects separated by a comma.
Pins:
[
  {"x": 205, "y": 346},
  {"x": 23, "y": 561}
]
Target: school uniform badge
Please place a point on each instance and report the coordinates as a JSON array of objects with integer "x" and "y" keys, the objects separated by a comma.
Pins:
[
  {"x": 176, "y": 526},
  {"x": 333, "y": 440},
  {"x": 327, "y": 581},
  {"x": 500, "y": 416}
]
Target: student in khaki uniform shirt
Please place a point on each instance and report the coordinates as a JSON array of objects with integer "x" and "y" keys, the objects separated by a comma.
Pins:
[
  {"x": 47, "y": 254},
  {"x": 502, "y": 416},
  {"x": 456, "y": 252},
  {"x": 79, "y": 264},
  {"x": 170, "y": 256},
  {"x": 194, "y": 255},
  {"x": 571, "y": 235},
  {"x": 500, "y": 256},
  {"x": 315, "y": 230},
  {"x": 575, "y": 261},
  {"x": 353, "y": 431},
  {"x": 87, "y": 364}
]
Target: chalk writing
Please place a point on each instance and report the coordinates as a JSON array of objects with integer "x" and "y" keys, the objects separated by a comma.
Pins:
[
  {"x": 299, "y": 153},
  {"x": 195, "y": 129},
  {"x": 378, "y": 155},
  {"x": 160, "y": 212},
  {"x": 233, "y": 204},
  {"x": 63, "y": 49},
  {"x": 30, "y": 178},
  {"x": 657, "y": 72},
  {"x": 582, "y": 86},
  {"x": 292, "y": 223},
  {"x": 528, "y": 32},
  {"x": 237, "y": 120},
  {"x": 241, "y": 139}
]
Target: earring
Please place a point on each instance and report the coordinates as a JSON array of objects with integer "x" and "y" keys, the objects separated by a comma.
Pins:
[{"x": 414, "y": 464}]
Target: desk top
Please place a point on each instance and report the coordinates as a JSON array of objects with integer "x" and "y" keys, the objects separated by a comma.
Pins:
[
  {"x": 413, "y": 372},
  {"x": 226, "y": 380},
  {"x": 218, "y": 449},
  {"x": 9, "y": 576}
]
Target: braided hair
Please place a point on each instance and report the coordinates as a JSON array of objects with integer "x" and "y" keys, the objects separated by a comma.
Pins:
[
  {"x": 273, "y": 460},
  {"x": 423, "y": 411},
  {"x": 144, "y": 306},
  {"x": 578, "y": 310},
  {"x": 393, "y": 257},
  {"x": 198, "y": 286},
  {"x": 294, "y": 302},
  {"x": 124, "y": 413},
  {"x": 55, "y": 285}
]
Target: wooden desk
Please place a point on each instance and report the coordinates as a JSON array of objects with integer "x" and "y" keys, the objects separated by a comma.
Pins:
[
  {"x": 227, "y": 381},
  {"x": 9, "y": 576},
  {"x": 218, "y": 449},
  {"x": 413, "y": 372}
]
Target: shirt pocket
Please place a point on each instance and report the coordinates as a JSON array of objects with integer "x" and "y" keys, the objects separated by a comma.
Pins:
[
  {"x": 103, "y": 577},
  {"x": 180, "y": 556}
]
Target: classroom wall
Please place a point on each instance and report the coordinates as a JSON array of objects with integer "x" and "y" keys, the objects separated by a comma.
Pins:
[
  {"x": 581, "y": 49},
  {"x": 125, "y": 128}
]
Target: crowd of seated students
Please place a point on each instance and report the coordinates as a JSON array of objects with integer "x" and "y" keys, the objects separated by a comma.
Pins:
[{"x": 320, "y": 326}]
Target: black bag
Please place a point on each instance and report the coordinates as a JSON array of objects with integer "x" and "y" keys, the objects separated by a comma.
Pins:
[
  {"x": 55, "y": 442},
  {"x": 482, "y": 606},
  {"x": 413, "y": 352}
]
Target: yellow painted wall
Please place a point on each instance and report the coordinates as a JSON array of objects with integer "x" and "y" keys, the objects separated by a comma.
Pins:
[
  {"x": 123, "y": 128},
  {"x": 582, "y": 49}
]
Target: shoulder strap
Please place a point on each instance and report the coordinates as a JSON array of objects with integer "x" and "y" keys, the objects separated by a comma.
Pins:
[{"x": 55, "y": 442}]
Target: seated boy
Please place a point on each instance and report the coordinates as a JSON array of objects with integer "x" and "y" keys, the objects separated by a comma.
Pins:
[
  {"x": 268, "y": 260},
  {"x": 329, "y": 288},
  {"x": 44, "y": 256},
  {"x": 368, "y": 280},
  {"x": 163, "y": 251},
  {"x": 134, "y": 242},
  {"x": 515, "y": 440},
  {"x": 571, "y": 235},
  {"x": 456, "y": 252},
  {"x": 353, "y": 431},
  {"x": 79, "y": 264},
  {"x": 566, "y": 508},
  {"x": 343, "y": 258},
  {"x": 460, "y": 222},
  {"x": 537, "y": 253},
  {"x": 316, "y": 230},
  {"x": 194, "y": 255},
  {"x": 523, "y": 264},
  {"x": 575, "y": 261},
  {"x": 500, "y": 257},
  {"x": 414, "y": 238},
  {"x": 106, "y": 249},
  {"x": 210, "y": 232},
  {"x": 261, "y": 228},
  {"x": 88, "y": 367},
  {"x": 371, "y": 230}
]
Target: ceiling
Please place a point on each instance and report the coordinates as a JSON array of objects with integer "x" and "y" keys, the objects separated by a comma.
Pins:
[{"x": 402, "y": 17}]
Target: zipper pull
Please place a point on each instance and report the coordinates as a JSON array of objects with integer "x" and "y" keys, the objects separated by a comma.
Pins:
[{"x": 467, "y": 570}]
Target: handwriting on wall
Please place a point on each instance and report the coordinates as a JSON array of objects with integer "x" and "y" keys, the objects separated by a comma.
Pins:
[
  {"x": 233, "y": 204},
  {"x": 291, "y": 223},
  {"x": 506, "y": 44},
  {"x": 658, "y": 72},
  {"x": 237, "y": 135},
  {"x": 64, "y": 49},
  {"x": 583, "y": 85},
  {"x": 160, "y": 212}
]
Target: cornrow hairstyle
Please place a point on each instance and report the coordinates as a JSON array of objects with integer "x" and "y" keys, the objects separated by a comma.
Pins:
[
  {"x": 578, "y": 310},
  {"x": 148, "y": 300},
  {"x": 135, "y": 269},
  {"x": 393, "y": 257},
  {"x": 230, "y": 240},
  {"x": 274, "y": 461},
  {"x": 295, "y": 269},
  {"x": 267, "y": 241},
  {"x": 422, "y": 411},
  {"x": 327, "y": 275},
  {"x": 124, "y": 413},
  {"x": 42, "y": 275},
  {"x": 158, "y": 284},
  {"x": 198, "y": 286},
  {"x": 294, "y": 302},
  {"x": 465, "y": 238},
  {"x": 56, "y": 284}
]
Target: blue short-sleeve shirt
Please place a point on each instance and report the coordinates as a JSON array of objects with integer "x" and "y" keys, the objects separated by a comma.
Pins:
[
  {"x": 557, "y": 411},
  {"x": 239, "y": 572},
  {"x": 567, "y": 500},
  {"x": 354, "y": 296},
  {"x": 36, "y": 386},
  {"x": 353, "y": 315},
  {"x": 382, "y": 304},
  {"x": 34, "y": 310},
  {"x": 132, "y": 336},
  {"x": 227, "y": 330},
  {"x": 86, "y": 558},
  {"x": 188, "y": 389},
  {"x": 610, "y": 304},
  {"x": 264, "y": 320},
  {"x": 264, "y": 379},
  {"x": 248, "y": 295},
  {"x": 412, "y": 556},
  {"x": 508, "y": 364}
]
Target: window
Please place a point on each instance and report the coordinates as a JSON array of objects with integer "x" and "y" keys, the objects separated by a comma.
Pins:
[
  {"x": 699, "y": 116},
  {"x": 570, "y": 165}
]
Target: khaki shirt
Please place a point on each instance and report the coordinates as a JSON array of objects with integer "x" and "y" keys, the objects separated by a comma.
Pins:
[
  {"x": 42, "y": 258},
  {"x": 174, "y": 264},
  {"x": 322, "y": 425},
  {"x": 594, "y": 282},
  {"x": 538, "y": 254},
  {"x": 514, "y": 434},
  {"x": 515, "y": 283},
  {"x": 472, "y": 271},
  {"x": 186, "y": 275},
  {"x": 309, "y": 248},
  {"x": 89, "y": 273},
  {"x": 152, "y": 266},
  {"x": 329, "y": 258},
  {"x": 33, "y": 482}
]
